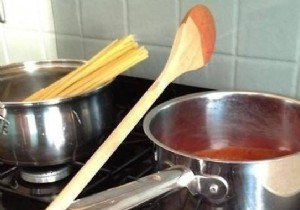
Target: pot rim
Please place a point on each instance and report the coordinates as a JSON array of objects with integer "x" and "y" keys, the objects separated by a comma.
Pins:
[
  {"x": 217, "y": 94},
  {"x": 49, "y": 63}
]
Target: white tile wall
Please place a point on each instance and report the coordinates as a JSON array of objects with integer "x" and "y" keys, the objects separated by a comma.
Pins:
[
  {"x": 266, "y": 75},
  {"x": 257, "y": 46},
  {"x": 28, "y": 33},
  {"x": 67, "y": 17},
  {"x": 109, "y": 26},
  {"x": 151, "y": 67},
  {"x": 3, "y": 51},
  {"x": 269, "y": 29},
  {"x": 153, "y": 23},
  {"x": 69, "y": 46},
  {"x": 218, "y": 74}
]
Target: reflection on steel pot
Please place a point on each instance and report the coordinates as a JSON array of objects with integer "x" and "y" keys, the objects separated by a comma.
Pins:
[
  {"x": 212, "y": 120},
  {"x": 53, "y": 131}
]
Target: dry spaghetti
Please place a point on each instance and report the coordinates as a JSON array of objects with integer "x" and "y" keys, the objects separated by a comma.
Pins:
[{"x": 113, "y": 60}]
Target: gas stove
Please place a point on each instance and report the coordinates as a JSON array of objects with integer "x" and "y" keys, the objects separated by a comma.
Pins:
[{"x": 35, "y": 187}]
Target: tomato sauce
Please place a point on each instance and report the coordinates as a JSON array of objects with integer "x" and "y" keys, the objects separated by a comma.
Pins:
[
  {"x": 241, "y": 153},
  {"x": 247, "y": 149}
]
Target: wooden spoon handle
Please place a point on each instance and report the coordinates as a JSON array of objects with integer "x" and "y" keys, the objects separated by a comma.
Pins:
[
  {"x": 103, "y": 153},
  {"x": 186, "y": 55},
  {"x": 86, "y": 173}
]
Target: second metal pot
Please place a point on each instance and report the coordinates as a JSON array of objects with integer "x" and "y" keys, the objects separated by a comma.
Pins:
[
  {"x": 49, "y": 132},
  {"x": 214, "y": 120}
]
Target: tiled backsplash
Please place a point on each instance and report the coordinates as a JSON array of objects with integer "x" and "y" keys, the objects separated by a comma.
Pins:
[
  {"x": 28, "y": 33},
  {"x": 257, "y": 46}
]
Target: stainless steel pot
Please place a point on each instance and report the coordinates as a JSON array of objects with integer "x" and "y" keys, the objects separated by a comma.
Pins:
[
  {"x": 213, "y": 120},
  {"x": 48, "y": 132}
]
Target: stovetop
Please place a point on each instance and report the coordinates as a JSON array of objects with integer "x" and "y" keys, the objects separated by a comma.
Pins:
[{"x": 133, "y": 159}]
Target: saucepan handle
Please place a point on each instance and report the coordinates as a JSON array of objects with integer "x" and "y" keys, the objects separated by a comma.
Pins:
[
  {"x": 135, "y": 193},
  {"x": 3, "y": 122}
]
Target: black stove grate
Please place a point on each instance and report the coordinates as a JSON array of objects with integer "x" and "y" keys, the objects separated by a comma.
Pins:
[{"x": 133, "y": 159}]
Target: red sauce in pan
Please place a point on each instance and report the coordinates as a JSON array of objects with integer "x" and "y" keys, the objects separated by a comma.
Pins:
[
  {"x": 253, "y": 149},
  {"x": 241, "y": 153}
]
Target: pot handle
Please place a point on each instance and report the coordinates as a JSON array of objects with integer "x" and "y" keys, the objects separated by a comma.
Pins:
[
  {"x": 144, "y": 189},
  {"x": 3, "y": 122},
  {"x": 137, "y": 192}
]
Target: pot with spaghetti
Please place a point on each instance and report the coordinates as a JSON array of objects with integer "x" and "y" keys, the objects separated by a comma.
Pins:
[
  {"x": 52, "y": 131},
  {"x": 57, "y": 111}
]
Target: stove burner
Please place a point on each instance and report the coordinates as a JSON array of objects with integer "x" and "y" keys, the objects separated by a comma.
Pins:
[{"x": 45, "y": 174}]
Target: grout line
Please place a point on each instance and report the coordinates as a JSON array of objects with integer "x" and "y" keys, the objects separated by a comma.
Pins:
[
  {"x": 79, "y": 9},
  {"x": 296, "y": 86},
  {"x": 237, "y": 57},
  {"x": 41, "y": 37},
  {"x": 297, "y": 78},
  {"x": 236, "y": 38},
  {"x": 79, "y": 12},
  {"x": 126, "y": 16},
  {"x": 54, "y": 28},
  {"x": 53, "y": 32},
  {"x": 178, "y": 12},
  {"x": 5, "y": 48},
  {"x": 126, "y": 26}
]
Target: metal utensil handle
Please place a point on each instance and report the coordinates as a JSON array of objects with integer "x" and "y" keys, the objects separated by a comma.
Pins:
[
  {"x": 135, "y": 193},
  {"x": 3, "y": 122},
  {"x": 144, "y": 189}
]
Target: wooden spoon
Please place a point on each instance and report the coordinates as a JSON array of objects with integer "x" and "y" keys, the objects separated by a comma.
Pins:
[{"x": 192, "y": 49}]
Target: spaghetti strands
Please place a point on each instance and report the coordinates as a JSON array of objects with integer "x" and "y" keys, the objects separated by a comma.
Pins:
[{"x": 113, "y": 60}]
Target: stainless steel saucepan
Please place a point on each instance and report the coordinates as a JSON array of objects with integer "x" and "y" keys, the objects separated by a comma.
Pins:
[
  {"x": 48, "y": 132},
  {"x": 212, "y": 120}
]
